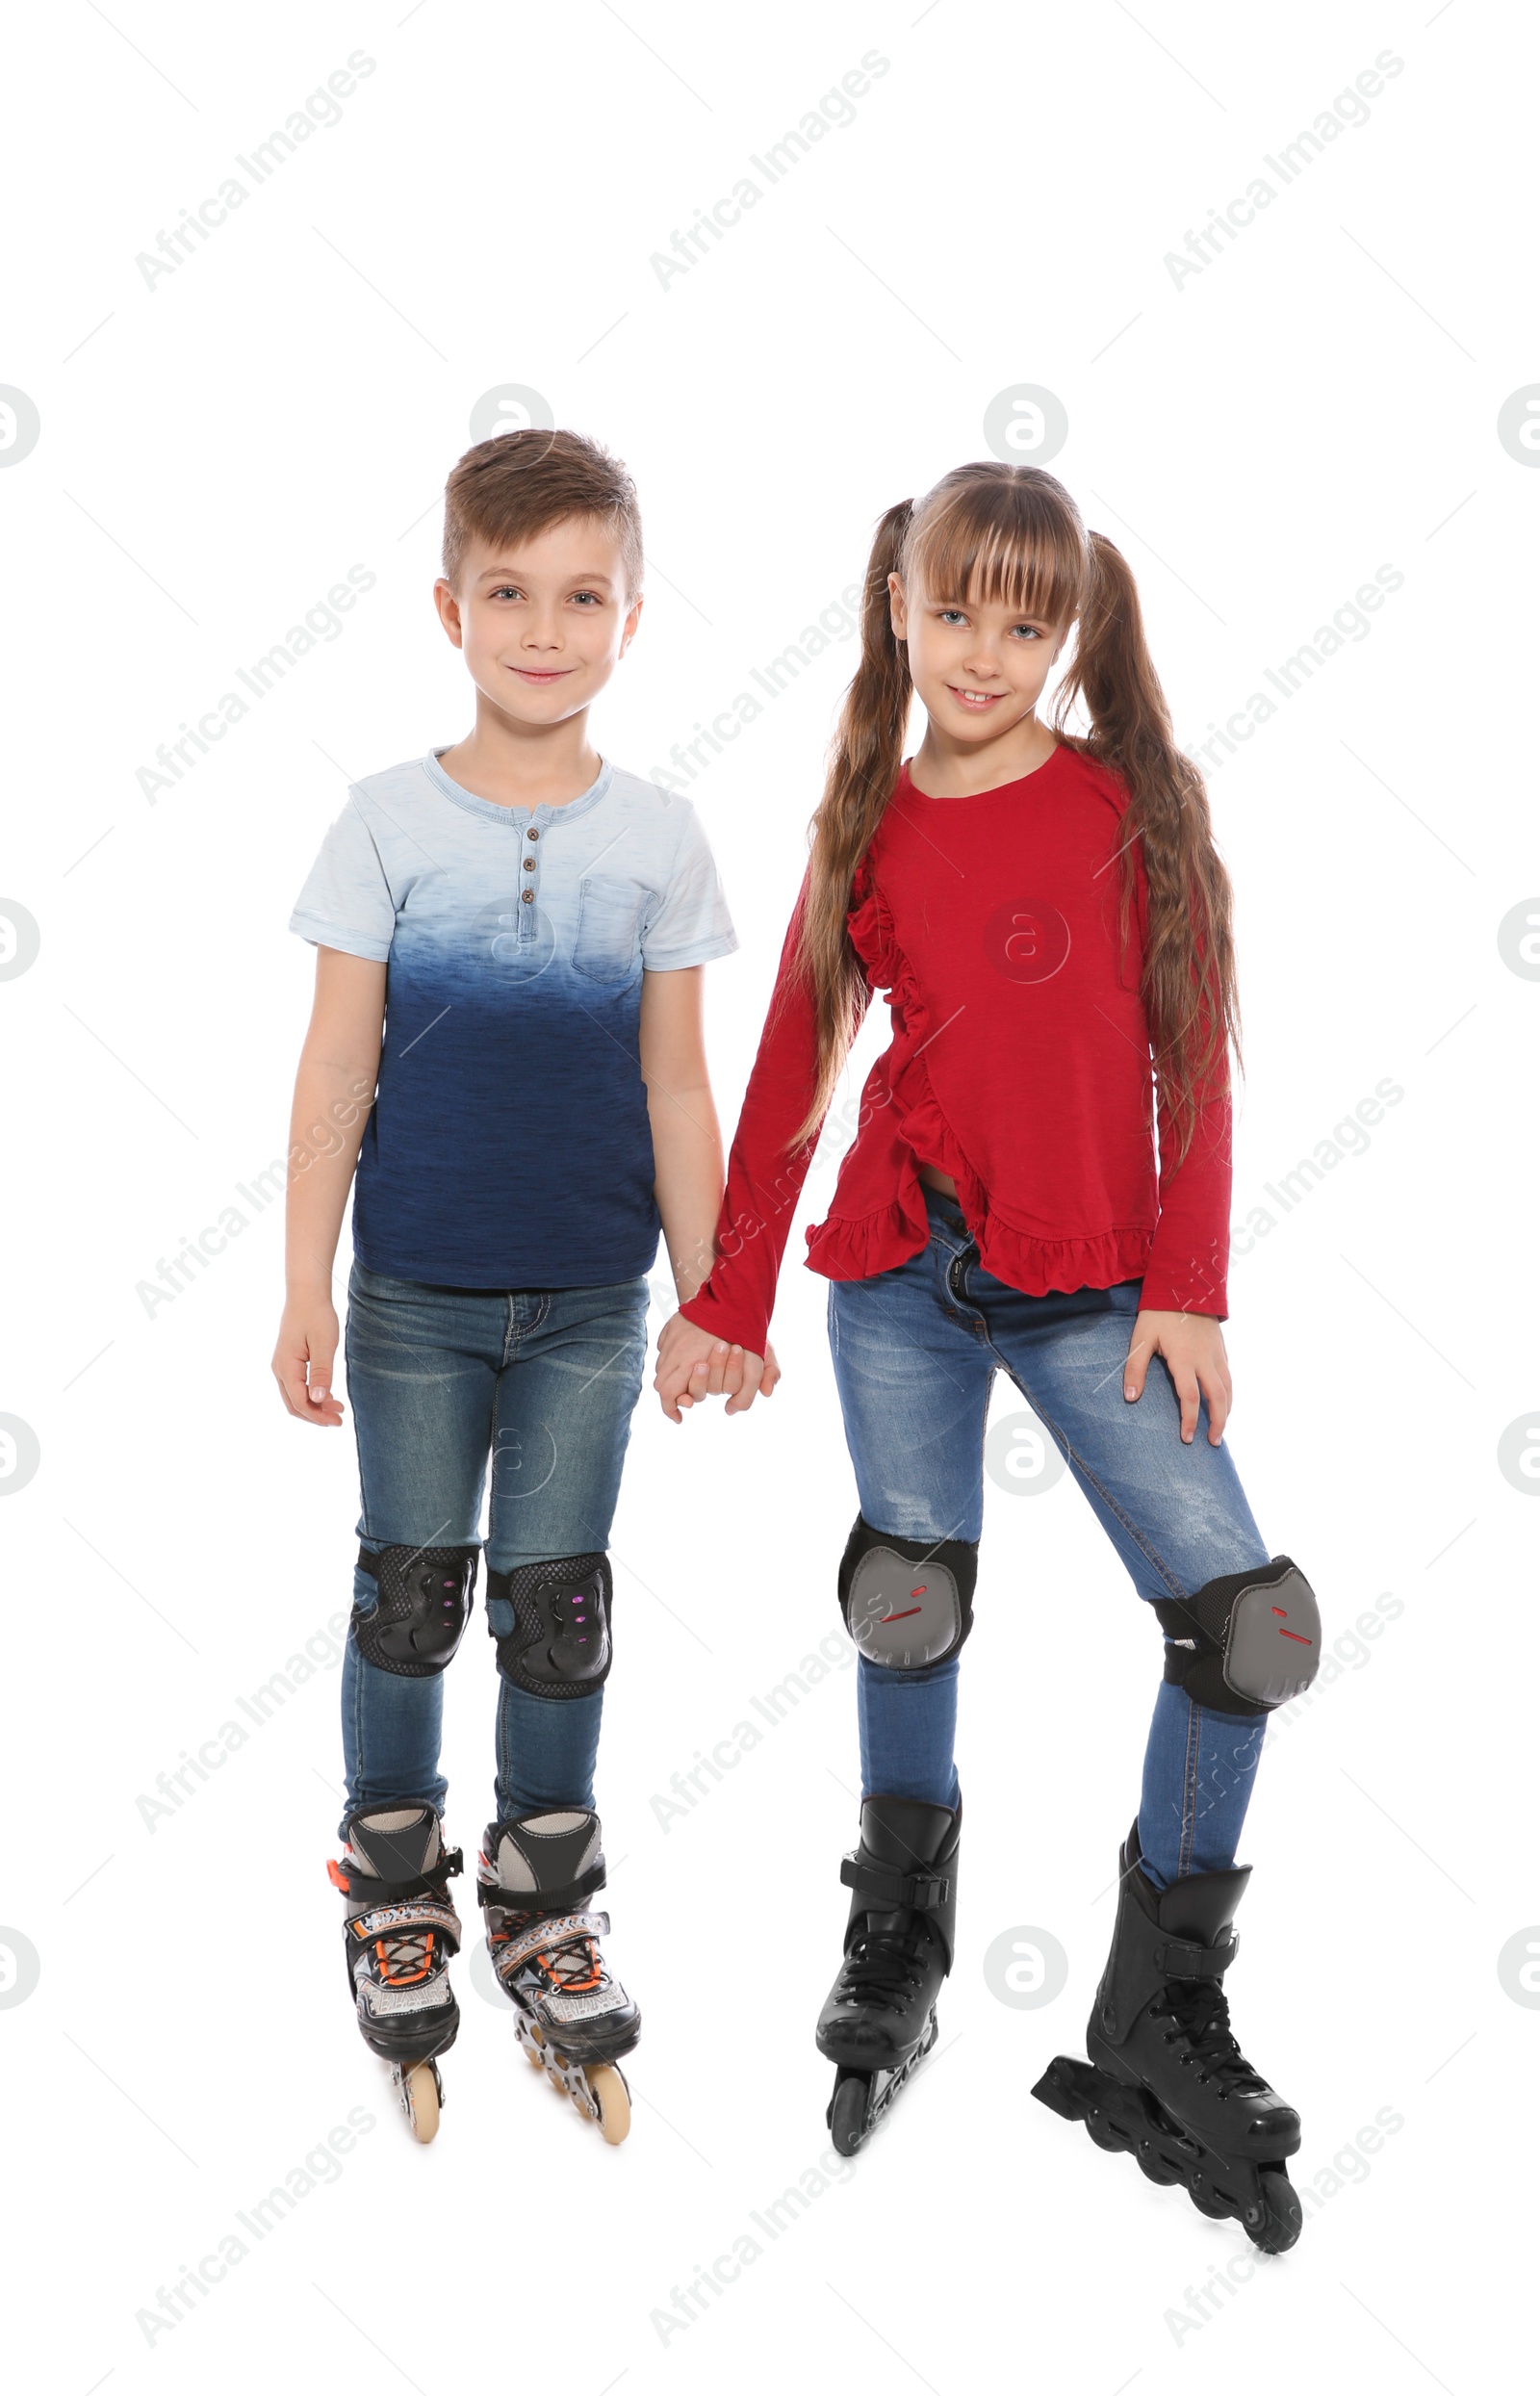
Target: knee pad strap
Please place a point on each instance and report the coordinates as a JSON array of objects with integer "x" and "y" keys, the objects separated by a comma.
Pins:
[
  {"x": 907, "y": 1602},
  {"x": 425, "y": 1596},
  {"x": 561, "y": 1643},
  {"x": 1247, "y": 1642}
]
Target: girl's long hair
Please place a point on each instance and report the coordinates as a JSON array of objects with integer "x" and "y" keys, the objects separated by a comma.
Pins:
[{"x": 1012, "y": 534}]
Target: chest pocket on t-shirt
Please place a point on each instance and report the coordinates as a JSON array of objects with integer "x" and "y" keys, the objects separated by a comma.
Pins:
[{"x": 611, "y": 915}]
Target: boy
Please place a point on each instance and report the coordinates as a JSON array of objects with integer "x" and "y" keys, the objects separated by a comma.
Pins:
[{"x": 510, "y": 934}]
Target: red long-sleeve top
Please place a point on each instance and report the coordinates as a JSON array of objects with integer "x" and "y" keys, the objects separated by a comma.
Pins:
[{"x": 1019, "y": 1065}]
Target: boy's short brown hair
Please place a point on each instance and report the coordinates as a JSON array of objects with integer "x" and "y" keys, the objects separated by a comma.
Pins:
[{"x": 521, "y": 483}]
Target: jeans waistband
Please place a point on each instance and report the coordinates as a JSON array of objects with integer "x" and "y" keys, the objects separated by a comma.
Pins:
[{"x": 944, "y": 1210}]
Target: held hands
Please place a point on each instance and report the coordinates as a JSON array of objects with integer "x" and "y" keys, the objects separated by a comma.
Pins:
[
  {"x": 1193, "y": 1346},
  {"x": 692, "y": 1365},
  {"x": 303, "y": 1359}
]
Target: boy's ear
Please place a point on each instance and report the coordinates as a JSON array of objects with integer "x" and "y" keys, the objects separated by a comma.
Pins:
[
  {"x": 628, "y": 630},
  {"x": 449, "y": 607}
]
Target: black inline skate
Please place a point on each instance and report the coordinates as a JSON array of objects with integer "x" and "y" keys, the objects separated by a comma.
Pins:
[
  {"x": 879, "y": 2022},
  {"x": 401, "y": 1929},
  {"x": 571, "y": 2017},
  {"x": 1167, "y": 2081}
]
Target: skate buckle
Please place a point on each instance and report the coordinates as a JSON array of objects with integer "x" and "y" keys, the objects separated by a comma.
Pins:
[{"x": 925, "y": 1891}]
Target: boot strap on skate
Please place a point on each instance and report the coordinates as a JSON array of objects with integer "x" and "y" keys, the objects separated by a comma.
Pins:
[
  {"x": 563, "y": 1900},
  {"x": 1181, "y": 1958},
  {"x": 548, "y": 1931},
  {"x": 926, "y": 1891},
  {"x": 398, "y": 1921},
  {"x": 450, "y": 1865}
]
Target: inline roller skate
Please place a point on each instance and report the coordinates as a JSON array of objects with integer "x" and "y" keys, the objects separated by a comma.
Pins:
[{"x": 1167, "y": 2081}]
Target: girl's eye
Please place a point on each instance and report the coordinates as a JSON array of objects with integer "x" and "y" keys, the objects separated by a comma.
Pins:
[
  {"x": 1029, "y": 631},
  {"x": 953, "y": 615}
]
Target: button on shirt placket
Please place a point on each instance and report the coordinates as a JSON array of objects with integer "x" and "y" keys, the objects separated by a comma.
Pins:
[{"x": 526, "y": 895}]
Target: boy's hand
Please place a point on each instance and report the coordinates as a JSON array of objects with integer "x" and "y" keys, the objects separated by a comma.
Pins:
[
  {"x": 692, "y": 1365},
  {"x": 1193, "y": 1346},
  {"x": 304, "y": 1358}
]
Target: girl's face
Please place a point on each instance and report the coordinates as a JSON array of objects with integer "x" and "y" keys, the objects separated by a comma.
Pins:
[{"x": 979, "y": 668}]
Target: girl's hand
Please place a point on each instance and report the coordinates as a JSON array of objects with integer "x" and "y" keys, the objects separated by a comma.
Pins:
[
  {"x": 302, "y": 1361},
  {"x": 692, "y": 1365},
  {"x": 1193, "y": 1346}
]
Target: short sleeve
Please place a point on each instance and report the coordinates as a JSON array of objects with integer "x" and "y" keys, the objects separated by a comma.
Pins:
[
  {"x": 691, "y": 924},
  {"x": 346, "y": 901}
]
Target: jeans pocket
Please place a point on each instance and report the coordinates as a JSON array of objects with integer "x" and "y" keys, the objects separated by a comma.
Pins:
[{"x": 607, "y": 945}]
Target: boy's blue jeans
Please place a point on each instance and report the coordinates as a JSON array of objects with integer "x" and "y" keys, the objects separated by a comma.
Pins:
[
  {"x": 544, "y": 1382},
  {"x": 915, "y": 1352}
]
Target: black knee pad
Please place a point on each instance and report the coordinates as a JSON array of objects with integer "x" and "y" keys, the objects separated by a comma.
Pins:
[
  {"x": 559, "y": 1645},
  {"x": 1246, "y": 1642},
  {"x": 907, "y": 1602},
  {"x": 425, "y": 1596}
]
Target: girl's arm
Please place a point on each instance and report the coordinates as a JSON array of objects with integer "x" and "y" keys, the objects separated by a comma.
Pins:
[
  {"x": 730, "y": 1312},
  {"x": 334, "y": 1089},
  {"x": 1184, "y": 1300},
  {"x": 687, "y": 1167}
]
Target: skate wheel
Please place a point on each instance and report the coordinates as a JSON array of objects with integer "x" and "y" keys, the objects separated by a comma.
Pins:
[
  {"x": 1213, "y": 2208},
  {"x": 847, "y": 2113},
  {"x": 421, "y": 2097},
  {"x": 1282, "y": 2211},
  {"x": 1104, "y": 2132},
  {"x": 1155, "y": 2166},
  {"x": 614, "y": 2099}
]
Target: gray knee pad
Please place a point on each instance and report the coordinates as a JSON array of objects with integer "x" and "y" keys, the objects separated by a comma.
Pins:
[
  {"x": 907, "y": 1602},
  {"x": 1246, "y": 1642},
  {"x": 425, "y": 1596},
  {"x": 559, "y": 1645}
]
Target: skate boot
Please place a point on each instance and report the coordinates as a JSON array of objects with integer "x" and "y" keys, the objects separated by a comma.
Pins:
[
  {"x": 879, "y": 2021},
  {"x": 572, "y": 2019},
  {"x": 401, "y": 1929},
  {"x": 1167, "y": 2081}
]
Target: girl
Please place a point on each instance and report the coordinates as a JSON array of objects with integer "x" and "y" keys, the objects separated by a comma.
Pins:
[{"x": 1050, "y": 923}]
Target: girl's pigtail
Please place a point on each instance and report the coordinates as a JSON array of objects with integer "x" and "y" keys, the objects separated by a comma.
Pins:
[
  {"x": 863, "y": 762},
  {"x": 1188, "y": 982}
]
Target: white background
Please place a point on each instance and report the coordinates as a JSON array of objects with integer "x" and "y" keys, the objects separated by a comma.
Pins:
[{"x": 215, "y": 450}]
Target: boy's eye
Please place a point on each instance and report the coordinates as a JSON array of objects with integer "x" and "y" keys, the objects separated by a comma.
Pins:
[
  {"x": 506, "y": 590},
  {"x": 592, "y": 597}
]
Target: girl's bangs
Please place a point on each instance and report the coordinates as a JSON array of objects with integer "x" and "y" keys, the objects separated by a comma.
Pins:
[{"x": 992, "y": 546}]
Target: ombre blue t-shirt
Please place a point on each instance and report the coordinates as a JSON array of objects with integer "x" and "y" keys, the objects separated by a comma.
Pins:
[{"x": 509, "y": 1146}]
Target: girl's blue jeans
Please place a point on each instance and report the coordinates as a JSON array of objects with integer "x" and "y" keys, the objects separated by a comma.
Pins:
[
  {"x": 915, "y": 1352},
  {"x": 541, "y": 1384}
]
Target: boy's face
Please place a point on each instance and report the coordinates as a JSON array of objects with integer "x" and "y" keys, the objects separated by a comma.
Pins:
[{"x": 543, "y": 622}]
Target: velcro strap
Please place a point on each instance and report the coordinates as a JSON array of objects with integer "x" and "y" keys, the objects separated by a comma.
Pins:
[
  {"x": 1179, "y": 1622},
  {"x": 362, "y": 1884},
  {"x": 925, "y": 1890},
  {"x": 394, "y": 1921},
  {"x": 1182, "y": 1959},
  {"x": 545, "y": 1932},
  {"x": 563, "y": 1900}
]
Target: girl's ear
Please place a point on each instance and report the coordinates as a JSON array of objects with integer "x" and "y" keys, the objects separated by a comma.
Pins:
[{"x": 897, "y": 608}]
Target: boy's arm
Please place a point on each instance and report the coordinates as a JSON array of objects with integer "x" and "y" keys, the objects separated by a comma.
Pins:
[
  {"x": 334, "y": 1089},
  {"x": 687, "y": 1170},
  {"x": 686, "y": 1138}
]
